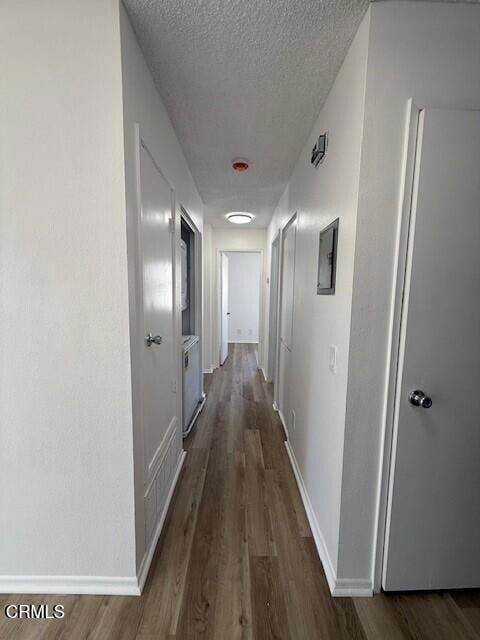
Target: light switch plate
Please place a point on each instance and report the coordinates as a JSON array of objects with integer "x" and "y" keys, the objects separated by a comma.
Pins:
[{"x": 333, "y": 358}]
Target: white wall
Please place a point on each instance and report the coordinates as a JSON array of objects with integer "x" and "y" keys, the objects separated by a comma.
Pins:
[
  {"x": 143, "y": 105},
  {"x": 244, "y": 273},
  {"x": 66, "y": 469},
  {"x": 429, "y": 52},
  {"x": 230, "y": 240},
  {"x": 319, "y": 196}
]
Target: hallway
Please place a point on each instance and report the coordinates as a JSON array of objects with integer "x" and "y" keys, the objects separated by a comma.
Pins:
[
  {"x": 236, "y": 558},
  {"x": 238, "y": 545}
]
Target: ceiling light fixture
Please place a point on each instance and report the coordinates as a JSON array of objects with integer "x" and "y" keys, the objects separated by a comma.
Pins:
[{"x": 240, "y": 217}]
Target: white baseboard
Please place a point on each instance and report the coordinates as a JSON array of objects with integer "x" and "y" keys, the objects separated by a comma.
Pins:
[
  {"x": 338, "y": 587},
  {"x": 243, "y": 342},
  {"x": 131, "y": 586},
  {"x": 93, "y": 585},
  {"x": 208, "y": 370},
  {"x": 75, "y": 585},
  {"x": 148, "y": 557},
  {"x": 198, "y": 411},
  {"x": 274, "y": 407},
  {"x": 282, "y": 420},
  {"x": 346, "y": 588},
  {"x": 264, "y": 374}
]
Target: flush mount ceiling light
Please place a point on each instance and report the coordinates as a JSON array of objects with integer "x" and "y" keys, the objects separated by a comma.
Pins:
[{"x": 240, "y": 217}]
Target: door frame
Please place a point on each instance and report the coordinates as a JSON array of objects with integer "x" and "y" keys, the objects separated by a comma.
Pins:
[
  {"x": 221, "y": 320},
  {"x": 198, "y": 260},
  {"x": 149, "y": 469},
  {"x": 275, "y": 403},
  {"x": 402, "y": 248},
  {"x": 273, "y": 303},
  {"x": 281, "y": 236},
  {"x": 218, "y": 303}
]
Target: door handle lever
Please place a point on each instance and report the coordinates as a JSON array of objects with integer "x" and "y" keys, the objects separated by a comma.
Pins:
[{"x": 150, "y": 339}]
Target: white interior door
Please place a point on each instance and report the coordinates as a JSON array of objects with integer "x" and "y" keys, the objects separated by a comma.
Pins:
[
  {"x": 287, "y": 286},
  {"x": 433, "y": 519},
  {"x": 288, "y": 282},
  {"x": 273, "y": 317},
  {"x": 156, "y": 249},
  {"x": 224, "y": 309}
]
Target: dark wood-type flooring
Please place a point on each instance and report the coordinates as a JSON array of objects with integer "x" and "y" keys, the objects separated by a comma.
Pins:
[{"x": 236, "y": 558}]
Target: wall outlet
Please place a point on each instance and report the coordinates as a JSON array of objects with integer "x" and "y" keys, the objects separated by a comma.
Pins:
[
  {"x": 333, "y": 358},
  {"x": 294, "y": 420}
]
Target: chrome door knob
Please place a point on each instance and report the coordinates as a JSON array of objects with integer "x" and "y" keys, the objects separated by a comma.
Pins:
[
  {"x": 419, "y": 399},
  {"x": 149, "y": 339}
]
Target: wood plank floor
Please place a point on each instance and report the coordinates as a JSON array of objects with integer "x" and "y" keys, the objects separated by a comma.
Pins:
[{"x": 236, "y": 558}]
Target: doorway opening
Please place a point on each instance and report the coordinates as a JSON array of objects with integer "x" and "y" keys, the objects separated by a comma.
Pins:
[
  {"x": 240, "y": 300},
  {"x": 193, "y": 397}
]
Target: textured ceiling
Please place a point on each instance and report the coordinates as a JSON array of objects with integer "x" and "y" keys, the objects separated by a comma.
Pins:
[{"x": 244, "y": 78}]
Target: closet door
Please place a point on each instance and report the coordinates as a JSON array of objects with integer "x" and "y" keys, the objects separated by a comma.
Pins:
[{"x": 433, "y": 522}]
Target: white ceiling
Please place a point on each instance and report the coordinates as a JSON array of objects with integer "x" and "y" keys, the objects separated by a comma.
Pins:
[{"x": 244, "y": 78}]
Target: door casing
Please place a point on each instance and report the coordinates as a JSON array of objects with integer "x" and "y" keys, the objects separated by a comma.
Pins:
[
  {"x": 218, "y": 302},
  {"x": 198, "y": 260},
  {"x": 278, "y": 374},
  {"x": 273, "y": 310},
  {"x": 224, "y": 320}
]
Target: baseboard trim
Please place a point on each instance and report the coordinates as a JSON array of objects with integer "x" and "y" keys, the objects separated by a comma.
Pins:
[
  {"x": 208, "y": 370},
  {"x": 148, "y": 557},
  {"x": 71, "y": 585},
  {"x": 282, "y": 420},
  {"x": 264, "y": 374},
  {"x": 243, "y": 342},
  {"x": 345, "y": 588},
  {"x": 94, "y": 585},
  {"x": 338, "y": 587},
  {"x": 317, "y": 534},
  {"x": 198, "y": 411}
]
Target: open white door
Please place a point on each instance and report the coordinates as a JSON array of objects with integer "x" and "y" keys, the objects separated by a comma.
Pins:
[
  {"x": 156, "y": 307},
  {"x": 224, "y": 309},
  {"x": 433, "y": 518},
  {"x": 285, "y": 320},
  {"x": 273, "y": 317}
]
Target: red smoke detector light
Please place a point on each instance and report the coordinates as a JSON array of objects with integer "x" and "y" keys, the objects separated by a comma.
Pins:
[{"x": 240, "y": 164}]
